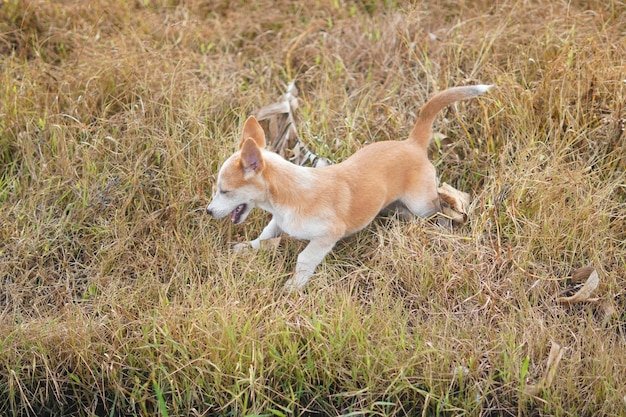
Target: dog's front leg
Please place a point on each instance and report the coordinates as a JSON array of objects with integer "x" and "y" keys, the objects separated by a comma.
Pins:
[
  {"x": 270, "y": 231},
  {"x": 308, "y": 260}
]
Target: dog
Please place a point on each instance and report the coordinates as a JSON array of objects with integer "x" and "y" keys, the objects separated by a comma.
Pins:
[{"x": 324, "y": 205}]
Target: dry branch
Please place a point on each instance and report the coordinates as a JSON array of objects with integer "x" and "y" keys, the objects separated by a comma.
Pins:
[{"x": 281, "y": 133}]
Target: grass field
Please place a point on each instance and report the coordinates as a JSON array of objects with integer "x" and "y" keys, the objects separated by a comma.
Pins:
[{"x": 119, "y": 296}]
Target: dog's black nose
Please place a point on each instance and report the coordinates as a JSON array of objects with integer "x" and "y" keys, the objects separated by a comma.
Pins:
[{"x": 209, "y": 212}]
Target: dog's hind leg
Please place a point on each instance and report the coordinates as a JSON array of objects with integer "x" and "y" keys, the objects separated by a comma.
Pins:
[
  {"x": 423, "y": 206},
  {"x": 421, "y": 196},
  {"x": 426, "y": 206}
]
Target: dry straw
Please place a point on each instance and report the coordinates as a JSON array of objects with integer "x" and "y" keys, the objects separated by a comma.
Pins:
[{"x": 118, "y": 296}]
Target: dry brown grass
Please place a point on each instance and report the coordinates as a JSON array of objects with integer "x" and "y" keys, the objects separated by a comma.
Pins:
[{"x": 118, "y": 296}]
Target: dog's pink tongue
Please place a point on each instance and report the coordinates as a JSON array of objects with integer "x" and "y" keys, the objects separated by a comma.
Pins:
[{"x": 236, "y": 213}]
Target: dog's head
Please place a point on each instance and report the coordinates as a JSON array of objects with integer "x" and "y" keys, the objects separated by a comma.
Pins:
[{"x": 240, "y": 183}]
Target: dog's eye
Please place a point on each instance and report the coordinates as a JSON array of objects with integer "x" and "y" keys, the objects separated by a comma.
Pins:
[{"x": 224, "y": 192}]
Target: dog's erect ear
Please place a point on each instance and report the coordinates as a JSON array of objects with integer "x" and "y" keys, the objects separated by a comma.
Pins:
[
  {"x": 253, "y": 130},
  {"x": 251, "y": 158}
]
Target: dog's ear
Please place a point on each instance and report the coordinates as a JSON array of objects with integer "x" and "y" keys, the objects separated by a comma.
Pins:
[
  {"x": 251, "y": 158},
  {"x": 252, "y": 130}
]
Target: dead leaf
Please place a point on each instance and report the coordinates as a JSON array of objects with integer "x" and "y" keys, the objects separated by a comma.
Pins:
[
  {"x": 274, "y": 109},
  {"x": 581, "y": 274},
  {"x": 556, "y": 353},
  {"x": 584, "y": 293},
  {"x": 455, "y": 203}
]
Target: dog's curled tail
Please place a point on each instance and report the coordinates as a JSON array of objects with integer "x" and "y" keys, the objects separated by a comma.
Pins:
[{"x": 423, "y": 130}]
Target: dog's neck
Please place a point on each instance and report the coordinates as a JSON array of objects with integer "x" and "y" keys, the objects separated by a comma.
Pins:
[{"x": 288, "y": 185}]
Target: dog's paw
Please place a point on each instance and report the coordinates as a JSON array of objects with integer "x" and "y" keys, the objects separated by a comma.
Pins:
[
  {"x": 291, "y": 287},
  {"x": 242, "y": 247},
  {"x": 294, "y": 286}
]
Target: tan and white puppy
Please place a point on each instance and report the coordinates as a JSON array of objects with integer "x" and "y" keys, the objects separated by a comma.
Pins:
[{"x": 323, "y": 205}]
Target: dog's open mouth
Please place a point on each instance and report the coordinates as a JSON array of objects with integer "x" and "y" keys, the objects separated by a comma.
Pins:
[{"x": 236, "y": 214}]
